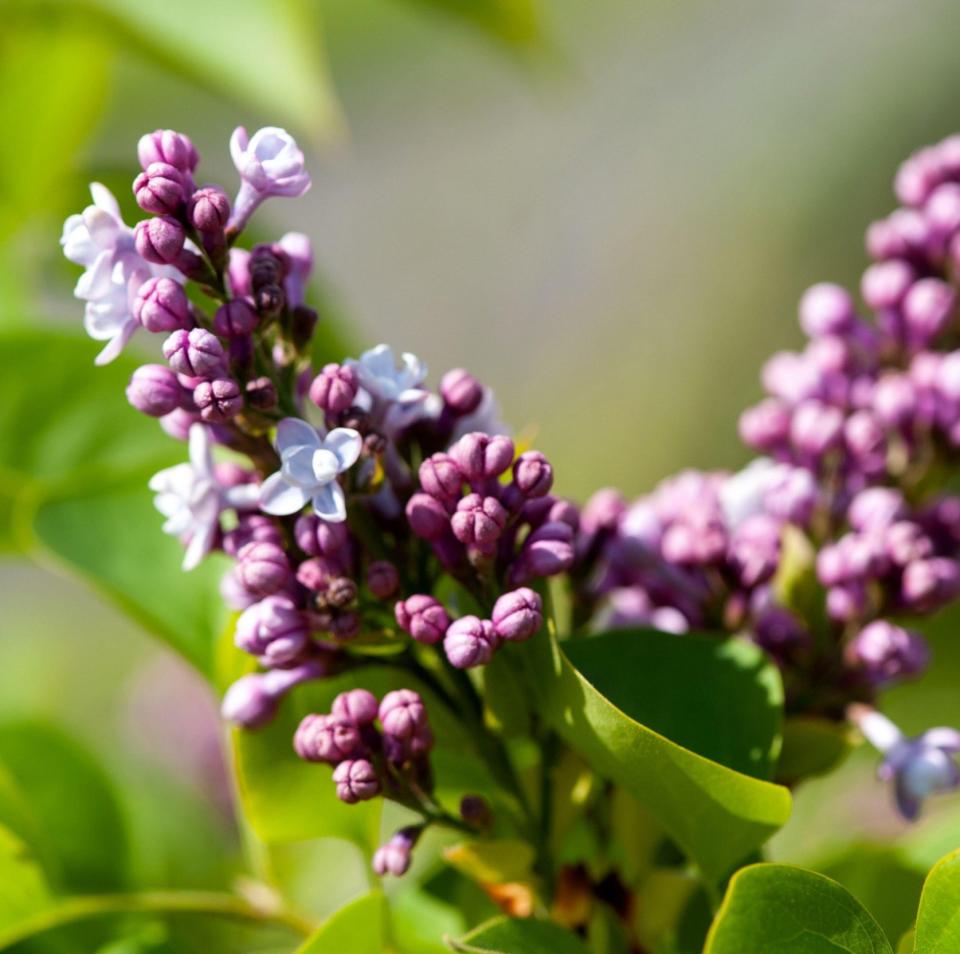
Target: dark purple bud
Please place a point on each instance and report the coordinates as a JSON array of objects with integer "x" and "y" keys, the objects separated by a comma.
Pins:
[
  {"x": 393, "y": 858},
  {"x": 341, "y": 592},
  {"x": 778, "y": 631},
  {"x": 470, "y": 641},
  {"x": 546, "y": 552},
  {"x": 335, "y": 388},
  {"x": 427, "y": 516},
  {"x": 440, "y": 477},
  {"x": 826, "y": 309},
  {"x": 273, "y": 630},
  {"x": 346, "y": 626},
  {"x": 480, "y": 456},
  {"x": 197, "y": 353},
  {"x": 319, "y": 537},
  {"x": 261, "y": 393},
  {"x": 218, "y": 400},
  {"x": 479, "y": 521},
  {"x": 518, "y": 615},
  {"x": 382, "y": 579},
  {"x": 928, "y": 584},
  {"x": 159, "y": 189},
  {"x": 209, "y": 210},
  {"x": 885, "y": 284},
  {"x": 235, "y": 319},
  {"x": 263, "y": 568},
  {"x": 475, "y": 810},
  {"x": 356, "y": 781},
  {"x": 423, "y": 617},
  {"x": 160, "y": 240},
  {"x": 327, "y": 738},
  {"x": 461, "y": 391},
  {"x": 886, "y": 653},
  {"x": 532, "y": 474},
  {"x": 766, "y": 426},
  {"x": 167, "y": 146},
  {"x": 356, "y": 705},
  {"x": 154, "y": 390},
  {"x": 161, "y": 304}
]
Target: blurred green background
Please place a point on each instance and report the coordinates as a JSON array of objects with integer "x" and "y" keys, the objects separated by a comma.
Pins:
[{"x": 605, "y": 210}]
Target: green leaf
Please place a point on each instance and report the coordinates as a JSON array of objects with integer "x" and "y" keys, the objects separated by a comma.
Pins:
[
  {"x": 360, "y": 927},
  {"x": 811, "y": 746},
  {"x": 23, "y": 888},
  {"x": 792, "y": 911},
  {"x": 74, "y": 803},
  {"x": 717, "y": 815},
  {"x": 514, "y": 936},
  {"x": 513, "y": 22},
  {"x": 907, "y": 942},
  {"x": 938, "y": 919}
]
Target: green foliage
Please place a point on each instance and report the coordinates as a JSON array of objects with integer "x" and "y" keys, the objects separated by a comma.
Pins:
[
  {"x": 360, "y": 927},
  {"x": 514, "y": 936},
  {"x": 938, "y": 919},
  {"x": 513, "y": 22},
  {"x": 23, "y": 888},
  {"x": 792, "y": 911},
  {"x": 811, "y": 746},
  {"x": 716, "y": 814}
]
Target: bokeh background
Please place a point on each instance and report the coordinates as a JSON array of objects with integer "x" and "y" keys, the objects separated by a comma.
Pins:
[{"x": 605, "y": 210}]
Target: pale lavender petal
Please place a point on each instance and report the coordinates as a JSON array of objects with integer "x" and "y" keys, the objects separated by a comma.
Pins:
[
  {"x": 330, "y": 504},
  {"x": 279, "y": 498},
  {"x": 346, "y": 444}
]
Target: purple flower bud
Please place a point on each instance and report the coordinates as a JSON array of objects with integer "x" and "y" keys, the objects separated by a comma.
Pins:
[
  {"x": 778, "y": 631},
  {"x": 261, "y": 393},
  {"x": 532, "y": 474},
  {"x": 160, "y": 240},
  {"x": 247, "y": 703},
  {"x": 602, "y": 512},
  {"x": 235, "y": 319},
  {"x": 209, "y": 210},
  {"x": 440, "y": 477},
  {"x": 273, "y": 629},
  {"x": 382, "y": 579},
  {"x": 876, "y": 508},
  {"x": 335, "y": 388},
  {"x": 927, "y": 310},
  {"x": 895, "y": 400},
  {"x": 546, "y": 552},
  {"x": 929, "y": 584},
  {"x": 847, "y": 602},
  {"x": 816, "y": 428},
  {"x": 470, "y": 641},
  {"x": 866, "y": 440},
  {"x": 178, "y": 422},
  {"x": 518, "y": 615},
  {"x": 167, "y": 146},
  {"x": 943, "y": 209},
  {"x": 356, "y": 781},
  {"x": 394, "y": 857},
  {"x": 766, "y": 426},
  {"x": 161, "y": 304},
  {"x": 327, "y": 738},
  {"x": 479, "y": 521},
  {"x": 826, "y": 309},
  {"x": 755, "y": 549},
  {"x": 791, "y": 377},
  {"x": 461, "y": 391},
  {"x": 356, "y": 705},
  {"x": 885, "y": 652},
  {"x": 263, "y": 568},
  {"x": 250, "y": 528},
  {"x": 197, "y": 353},
  {"x": 218, "y": 400},
  {"x": 319, "y": 537},
  {"x": 154, "y": 390},
  {"x": 423, "y": 617},
  {"x": 402, "y": 714},
  {"x": 906, "y": 542},
  {"x": 427, "y": 516},
  {"x": 159, "y": 189},
  {"x": 699, "y": 539},
  {"x": 480, "y": 456},
  {"x": 885, "y": 284}
]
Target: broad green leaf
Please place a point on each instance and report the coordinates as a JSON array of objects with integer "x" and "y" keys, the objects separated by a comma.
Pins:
[
  {"x": 938, "y": 919},
  {"x": 792, "y": 911},
  {"x": 907, "y": 942},
  {"x": 23, "y": 888},
  {"x": 74, "y": 802},
  {"x": 515, "y": 936},
  {"x": 811, "y": 746},
  {"x": 717, "y": 815},
  {"x": 513, "y": 22},
  {"x": 360, "y": 927}
]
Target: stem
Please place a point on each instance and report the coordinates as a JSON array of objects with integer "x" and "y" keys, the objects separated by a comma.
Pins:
[
  {"x": 154, "y": 902},
  {"x": 548, "y": 751}
]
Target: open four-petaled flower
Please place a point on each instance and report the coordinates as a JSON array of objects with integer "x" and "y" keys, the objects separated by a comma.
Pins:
[{"x": 309, "y": 467}]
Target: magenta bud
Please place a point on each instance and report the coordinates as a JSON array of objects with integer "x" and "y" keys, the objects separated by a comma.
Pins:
[
  {"x": 247, "y": 702},
  {"x": 393, "y": 858},
  {"x": 766, "y": 426},
  {"x": 928, "y": 584},
  {"x": 423, "y": 617},
  {"x": 197, "y": 353},
  {"x": 346, "y": 626},
  {"x": 440, "y": 477},
  {"x": 261, "y": 393},
  {"x": 532, "y": 474},
  {"x": 382, "y": 579},
  {"x": 356, "y": 705},
  {"x": 159, "y": 240},
  {"x": 886, "y": 653},
  {"x": 356, "y": 781},
  {"x": 161, "y": 304},
  {"x": 235, "y": 319},
  {"x": 167, "y": 146},
  {"x": 335, "y": 388},
  {"x": 480, "y": 456},
  {"x": 159, "y": 189},
  {"x": 154, "y": 390},
  {"x": 402, "y": 714},
  {"x": 816, "y": 428},
  {"x": 461, "y": 391},
  {"x": 885, "y": 284},
  {"x": 319, "y": 537},
  {"x": 518, "y": 615},
  {"x": 470, "y": 641},
  {"x": 327, "y": 738},
  {"x": 250, "y": 528},
  {"x": 546, "y": 552},
  {"x": 317, "y": 572},
  {"x": 826, "y": 309},
  {"x": 479, "y": 521},
  {"x": 927, "y": 310},
  {"x": 218, "y": 400},
  {"x": 273, "y": 629},
  {"x": 209, "y": 210},
  {"x": 263, "y": 568},
  {"x": 427, "y": 516}
]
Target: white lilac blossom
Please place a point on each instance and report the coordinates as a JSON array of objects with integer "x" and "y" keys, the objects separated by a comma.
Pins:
[
  {"x": 383, "y": 379},
  {"x": 192, "y": 499},
  {"x": 309, "y": 467},
  {"x": 270, "y": 163},
  {"x": 98, "y": 239}
]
